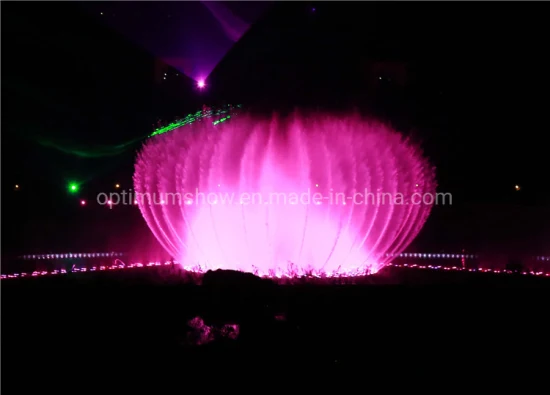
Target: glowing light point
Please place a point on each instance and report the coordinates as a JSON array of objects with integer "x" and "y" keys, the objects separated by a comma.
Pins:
[
  {"x": 83, "y": 202},
  {"x": 518, "y": 187},
  {"x": 109, "y": 202},
  {"x": 73, "y": 187},
  {"x": 16, "y": 187},
  {"x": 201, "y": 84},
  {"x": 117, "y": 186}
]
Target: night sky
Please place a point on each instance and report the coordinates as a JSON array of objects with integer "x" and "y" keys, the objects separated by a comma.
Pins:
[
  {"x": 83, "y": 83},
  {"x": 191, "y": 36}
]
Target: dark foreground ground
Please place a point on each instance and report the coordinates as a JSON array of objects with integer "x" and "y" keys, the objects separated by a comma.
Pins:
[{"x": 113, "y": 332}]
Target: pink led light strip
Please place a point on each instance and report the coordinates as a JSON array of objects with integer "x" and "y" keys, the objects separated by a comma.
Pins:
[
  {"x": 119, "y": 265},
  {"x": 461, "y": 269}
]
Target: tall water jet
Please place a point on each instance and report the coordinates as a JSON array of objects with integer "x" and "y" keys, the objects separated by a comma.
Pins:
[{"x": 323, "y": 195}]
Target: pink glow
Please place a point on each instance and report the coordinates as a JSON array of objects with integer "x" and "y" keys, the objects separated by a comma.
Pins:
[
  {"x": 83, "y": 202},
  {"x": 200, "y": 84},
  {"x": 325, "y": 155},
  {"x": 119, "y": 265},
  {"x": 233, "y": 26}
]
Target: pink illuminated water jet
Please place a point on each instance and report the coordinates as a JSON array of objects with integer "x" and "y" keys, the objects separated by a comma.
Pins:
[{"x": 284, "y": 197}]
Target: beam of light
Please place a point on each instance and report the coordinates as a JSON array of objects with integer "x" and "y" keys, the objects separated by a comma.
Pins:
[
  {"x": 216, "y": 115},
  {"x": 90, "y": 151},
  {"x": 250, "y": 156},
  {"x": 233, "y": 26},
  {"x": 192, "y": 37}
]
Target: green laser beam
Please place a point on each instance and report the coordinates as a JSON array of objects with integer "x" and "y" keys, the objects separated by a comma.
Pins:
[{"x": 190, "y": 118}]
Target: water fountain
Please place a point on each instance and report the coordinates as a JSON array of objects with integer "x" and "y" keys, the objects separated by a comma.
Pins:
[{"x": 318, "y": 195}]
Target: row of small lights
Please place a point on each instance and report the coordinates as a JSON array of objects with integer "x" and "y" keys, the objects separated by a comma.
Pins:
[
  {"x": 402, "y": 255},
  {"x": 119, "y": 265},
  {"x": 461, "y": 269},
  {"x": 119, "y": 254},
  {"x": 451, "y": 256},
  {"x": 71, "y": 255},
  {"x": 116, "y": 266},
  {"x": 430, "y": 256}
]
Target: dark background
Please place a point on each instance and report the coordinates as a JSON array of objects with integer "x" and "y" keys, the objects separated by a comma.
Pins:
[
  {"x": 117, "y": 331},
  {"x": 468, "y": 81}
]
